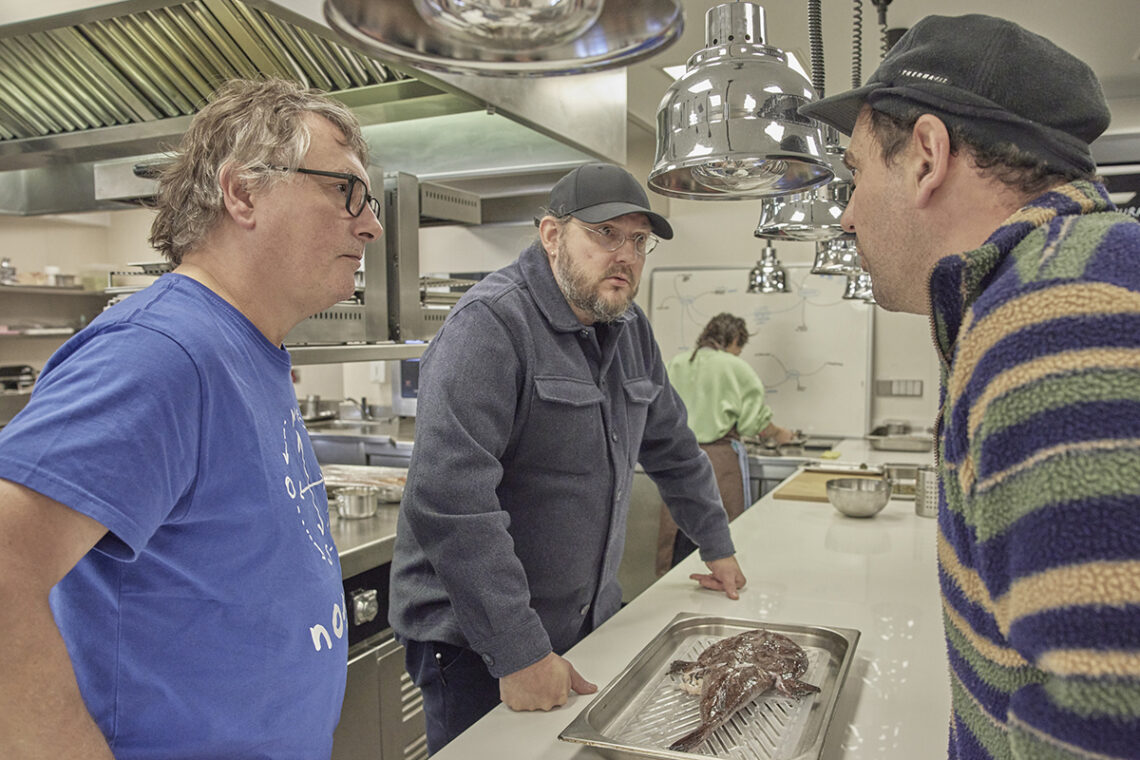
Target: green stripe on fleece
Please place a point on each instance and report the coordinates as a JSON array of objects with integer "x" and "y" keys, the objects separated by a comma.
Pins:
[
  {"x": 1083, "y": 474},
  {"x": 1056, "y": 392},
  {"x": 1108, "y": 698},
  {"x": 1000, "y": 678},
  {"x": 1082, "y": 238},
  {"x": 1024, "y": 743},
  {"x": 991, "y": 736}
]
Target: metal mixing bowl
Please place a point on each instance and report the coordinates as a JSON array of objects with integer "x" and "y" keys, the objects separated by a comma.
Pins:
[{"x": 859, "y": 497}]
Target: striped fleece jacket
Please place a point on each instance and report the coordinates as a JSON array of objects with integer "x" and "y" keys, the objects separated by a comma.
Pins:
[{"x": 1039, "y": 443}]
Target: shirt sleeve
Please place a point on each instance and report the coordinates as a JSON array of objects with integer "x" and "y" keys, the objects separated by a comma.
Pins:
[
  {"x": 111, "y": 431},
  {"x": 469, "y": 387}
]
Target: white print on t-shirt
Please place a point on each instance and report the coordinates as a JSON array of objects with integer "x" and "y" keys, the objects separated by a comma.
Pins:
[
  {"x": 320, "y": 634},
  {"x": 301, "y": 486}
]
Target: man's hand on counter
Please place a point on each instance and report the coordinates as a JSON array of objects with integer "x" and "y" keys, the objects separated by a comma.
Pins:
[
  {"x": 725, "y": 576},
  {"x": 543, "y": 685}
]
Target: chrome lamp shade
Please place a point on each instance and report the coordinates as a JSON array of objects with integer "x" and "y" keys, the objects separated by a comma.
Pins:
[
  {"x": 812, "y": 215},
  {"x": 729, "y": 127},
  {"x": 859, "y": 288},
  {"x": 508, "y": 38},
  {"x": 768, "y": 276},
  {"x": 837, "y": 256}
]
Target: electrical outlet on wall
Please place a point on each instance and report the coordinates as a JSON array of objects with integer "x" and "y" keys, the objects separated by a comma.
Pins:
[{"x": 376, "y": 372}]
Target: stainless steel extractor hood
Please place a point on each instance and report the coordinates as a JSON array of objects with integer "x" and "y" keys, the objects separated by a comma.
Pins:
[{"x": 109, "y": 83}]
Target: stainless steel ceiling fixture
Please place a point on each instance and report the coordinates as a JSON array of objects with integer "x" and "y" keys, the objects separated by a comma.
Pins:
[
  {"x": 729, "y": 127},
  {"x": 812, "y": 215},
  {"x": 509, "y": 38},
  {"x": 859, "y": 288},
  {"x": 768, "y": 276},
  {"x": 837, "y": 256}
]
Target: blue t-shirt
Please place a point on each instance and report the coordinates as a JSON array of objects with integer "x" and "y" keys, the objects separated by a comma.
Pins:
[{"x": 210, "y": 621}]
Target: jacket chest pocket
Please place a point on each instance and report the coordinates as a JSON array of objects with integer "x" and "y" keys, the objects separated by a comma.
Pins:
[
  {"x": 565, "y": 417},
  {"x": 640, "y": 392}
]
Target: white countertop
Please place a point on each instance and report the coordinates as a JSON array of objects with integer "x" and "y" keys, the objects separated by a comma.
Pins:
[{"x": 805, "y": 564}]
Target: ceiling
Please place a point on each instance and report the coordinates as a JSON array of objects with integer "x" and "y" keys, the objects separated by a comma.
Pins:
[{"x": 1103, "y": 33}]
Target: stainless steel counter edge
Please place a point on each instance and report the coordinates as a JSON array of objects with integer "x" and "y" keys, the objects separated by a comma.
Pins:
[{"x": 365, "y": 544}]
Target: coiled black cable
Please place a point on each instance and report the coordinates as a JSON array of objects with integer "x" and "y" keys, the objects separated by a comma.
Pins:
[
  {"x": 815, "y": 39},
  {"x": 857, "y": 44}
]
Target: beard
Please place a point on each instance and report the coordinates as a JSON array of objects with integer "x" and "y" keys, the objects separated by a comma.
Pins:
[{"x": 585, "y": 294}]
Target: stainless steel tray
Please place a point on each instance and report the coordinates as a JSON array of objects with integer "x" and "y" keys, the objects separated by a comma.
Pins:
[
  {"x": 642, "y": 711},
  {"x": 901, "y": 442}
]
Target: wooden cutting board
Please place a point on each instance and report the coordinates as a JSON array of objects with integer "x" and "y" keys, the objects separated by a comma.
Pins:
[{"x": 812, "y": 486}]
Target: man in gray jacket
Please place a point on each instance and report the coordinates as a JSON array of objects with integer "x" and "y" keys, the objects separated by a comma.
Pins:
[{"x": 540, "y": 393}]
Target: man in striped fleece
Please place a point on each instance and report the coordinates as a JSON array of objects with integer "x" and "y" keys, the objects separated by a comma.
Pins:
[{"x": 977, "y": 203}]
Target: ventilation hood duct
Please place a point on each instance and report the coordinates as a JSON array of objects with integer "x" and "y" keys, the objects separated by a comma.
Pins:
[{"x": 106, "y": 84}]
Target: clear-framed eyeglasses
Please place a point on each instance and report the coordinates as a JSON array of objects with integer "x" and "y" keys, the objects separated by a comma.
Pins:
[
  {"x": 611, "y": 238},
  {"x": 356, "y": 195}
]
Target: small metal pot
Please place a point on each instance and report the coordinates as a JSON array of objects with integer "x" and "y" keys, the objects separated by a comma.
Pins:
[{"x": 357, "y": 502}]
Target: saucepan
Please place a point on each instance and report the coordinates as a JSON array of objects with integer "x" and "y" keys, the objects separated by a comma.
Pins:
[{"x": 357, "y": 502}]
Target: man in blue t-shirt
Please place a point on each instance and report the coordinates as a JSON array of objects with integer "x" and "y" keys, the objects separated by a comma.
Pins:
[{"x": 168, "y": 585}]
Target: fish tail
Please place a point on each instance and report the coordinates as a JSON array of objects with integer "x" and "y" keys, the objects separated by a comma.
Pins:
[
  {"x": 692, "y": 739},
  {"x": 792, "y": 687}
]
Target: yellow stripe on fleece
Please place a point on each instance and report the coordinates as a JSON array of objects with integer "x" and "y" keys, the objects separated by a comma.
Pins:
[
  {"x": 994, "y": 653},
  {"x": 1091, "y": 662},
  {"x": 1070, "y": 300},
  {"x": 1094, "y": 583}
]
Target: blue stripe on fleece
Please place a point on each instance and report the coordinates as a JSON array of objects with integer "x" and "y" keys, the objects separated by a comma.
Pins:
[
  {"x": 1093, "y": 421},
  {"x": 968, "y": 746},
  {"x": 1066, "y": 627},
  {"x": 1056, "y": 536},
  {"x": 980, "y": 620},
  {"x": 993, "y": 700},
  {"x": 1054, "y": 336},
  {"x": 1108, "y": 265},
  {"x": 1033, "y": 705}
]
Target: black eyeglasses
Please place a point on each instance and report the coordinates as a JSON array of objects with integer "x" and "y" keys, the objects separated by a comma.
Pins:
[{"x": 356, "y": 195}]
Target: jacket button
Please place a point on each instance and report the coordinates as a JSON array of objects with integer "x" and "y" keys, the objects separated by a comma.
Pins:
[
  {"x": 584, "y": 610},
  {"x": 613, "y": 437},
  {"x": 488, "y": 659}
]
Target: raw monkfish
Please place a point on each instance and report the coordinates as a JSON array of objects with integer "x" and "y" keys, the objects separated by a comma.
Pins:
[{"x": 732, "y": 672}]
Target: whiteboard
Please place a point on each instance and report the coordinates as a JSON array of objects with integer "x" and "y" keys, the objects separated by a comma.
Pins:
[{"x": 810, "y": 347}]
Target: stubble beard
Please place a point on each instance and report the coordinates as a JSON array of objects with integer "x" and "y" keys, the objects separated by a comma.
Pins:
[{"x": 586, "y": 296}]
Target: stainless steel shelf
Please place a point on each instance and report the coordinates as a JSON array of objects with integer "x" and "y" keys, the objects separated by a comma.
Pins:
[{"x": 355, "y": 352}]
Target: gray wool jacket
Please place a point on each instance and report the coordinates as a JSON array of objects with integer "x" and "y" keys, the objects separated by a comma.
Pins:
[{"x": 528, "y": 427}]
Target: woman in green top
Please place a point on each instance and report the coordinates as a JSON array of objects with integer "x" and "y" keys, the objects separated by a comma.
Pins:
[{"x": 725, "y": 400}]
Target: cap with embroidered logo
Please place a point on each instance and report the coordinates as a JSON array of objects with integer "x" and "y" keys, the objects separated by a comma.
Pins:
[{"x": 997, "y": 81}]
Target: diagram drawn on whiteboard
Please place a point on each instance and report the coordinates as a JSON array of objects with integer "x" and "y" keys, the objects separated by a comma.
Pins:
[{"x": 810, "y": 347}]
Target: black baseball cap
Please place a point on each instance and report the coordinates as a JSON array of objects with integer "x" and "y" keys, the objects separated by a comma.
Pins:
[
  {"x": 998, "y": 82},
  {"x": 599, "y": 192}
]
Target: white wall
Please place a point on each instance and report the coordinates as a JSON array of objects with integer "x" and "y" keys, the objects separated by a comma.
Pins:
[{"x": 719, "y": 233}]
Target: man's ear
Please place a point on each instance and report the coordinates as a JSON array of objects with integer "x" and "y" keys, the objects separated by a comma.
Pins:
[
  {"x": 929, "y": 157},
  {"x": 236, "y": 197},
  {"x": 548, "y": 232}
]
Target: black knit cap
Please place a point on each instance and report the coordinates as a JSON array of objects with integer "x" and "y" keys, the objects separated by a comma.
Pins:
[
  {"x": 995, "y": 80},
  {"x": 600, "y": 192}
]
